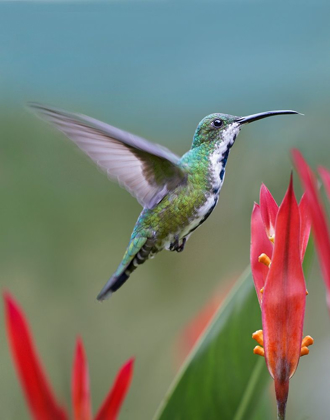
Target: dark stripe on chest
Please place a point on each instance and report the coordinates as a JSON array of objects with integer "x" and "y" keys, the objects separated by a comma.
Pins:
[
  {"x": 223, "y": 160},
  {"x": 205, "y": 216}
]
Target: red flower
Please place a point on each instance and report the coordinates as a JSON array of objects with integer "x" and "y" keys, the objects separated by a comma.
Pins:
[
  {"x": 317, "y": 213},
  {"x": 279, "y": 237},
  {"x": 263, "y": 222},
  {"x": 38, "y": 392}
]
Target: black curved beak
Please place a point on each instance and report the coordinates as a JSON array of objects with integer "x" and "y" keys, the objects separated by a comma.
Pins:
[{"x": 261, "y": 115}]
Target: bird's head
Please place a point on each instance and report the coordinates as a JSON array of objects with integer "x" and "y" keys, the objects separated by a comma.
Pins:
[{"x": 224, "y": 128}]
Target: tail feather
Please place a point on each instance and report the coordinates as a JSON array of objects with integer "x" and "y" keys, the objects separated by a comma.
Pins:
[
  {"x": 113, "y": 284},
  {"x": 136, "y": 254}
]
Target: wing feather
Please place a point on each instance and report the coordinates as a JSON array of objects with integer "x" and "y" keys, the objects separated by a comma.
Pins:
[{"x": 148, "y": 171}]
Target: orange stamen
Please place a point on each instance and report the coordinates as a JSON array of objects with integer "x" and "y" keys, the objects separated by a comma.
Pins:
[
  {"x": 259, "y": 337},
  {"x": 307, "y": 341},
  {"x": 264, "y": 259},
  {"x": 304, "y": 351},
  {"x": 259, "y": 351}
]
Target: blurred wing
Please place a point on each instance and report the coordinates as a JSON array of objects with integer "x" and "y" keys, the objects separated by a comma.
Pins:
[{"x": 148, "y": 171}]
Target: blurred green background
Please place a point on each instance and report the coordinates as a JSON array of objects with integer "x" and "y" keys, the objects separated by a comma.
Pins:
[{"x": 155, "y": 68}]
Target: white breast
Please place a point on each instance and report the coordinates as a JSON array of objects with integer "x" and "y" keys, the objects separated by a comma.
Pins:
[
  {"x": 216, "y": 167},
  {"x": 216, "y": 159}
]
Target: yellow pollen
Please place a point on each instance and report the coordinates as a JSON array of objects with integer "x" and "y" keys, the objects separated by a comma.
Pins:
[
  {"x": 307, "y": 341},
  {"x": 262, "y": 290},
  {"x": 272, "y": 238},
  {"x": 264, "y": 259},
  {"x": 259, "y": 351},
  {"x": 307, "y": 292},
  {"x": 259, "y": 337}
]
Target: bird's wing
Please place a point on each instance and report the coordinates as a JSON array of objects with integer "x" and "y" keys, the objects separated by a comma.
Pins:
[{"x": 148, "y": 171}]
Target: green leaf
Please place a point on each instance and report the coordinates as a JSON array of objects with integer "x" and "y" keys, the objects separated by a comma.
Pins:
[{"x": 222, "y": 378}]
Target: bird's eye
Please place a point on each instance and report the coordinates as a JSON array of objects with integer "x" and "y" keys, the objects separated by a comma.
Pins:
[{"x": 217, "y": 123}]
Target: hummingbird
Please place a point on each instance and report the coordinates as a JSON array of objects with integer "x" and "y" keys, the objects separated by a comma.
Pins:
[{"x": 177, "y": 194}]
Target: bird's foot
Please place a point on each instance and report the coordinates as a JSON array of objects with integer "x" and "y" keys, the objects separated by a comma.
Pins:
[
  {"x": 180, "y": 248},
  {"x": 177, "y": 245}
]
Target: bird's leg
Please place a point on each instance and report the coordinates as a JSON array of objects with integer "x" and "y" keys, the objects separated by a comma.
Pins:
[
  {"x": 176, "y": 245},
  {"x": 180, "y": 247}
]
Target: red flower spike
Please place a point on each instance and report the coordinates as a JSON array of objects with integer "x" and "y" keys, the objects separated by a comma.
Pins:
[
  {"x": 80, "y": 385},
  {"x": 111, "y": 406},
  {"x": 325, "y": 175},
  {"x": 269, "y": 209},
  {"x": 38, "y": 393},
  {"x": 283, "y": 303},
  {"x": 317, "y": 215},
  {"x": 260, "y": 244}
]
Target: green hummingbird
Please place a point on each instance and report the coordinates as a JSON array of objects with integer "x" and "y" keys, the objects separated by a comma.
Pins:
[{"x": 177, "y": 194}]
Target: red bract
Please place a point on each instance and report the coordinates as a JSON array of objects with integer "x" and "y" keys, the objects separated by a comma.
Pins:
[
  {"x": 317, "y": 213},
  {"x": 269, "y": 210},
  {"x": 81, "y": 401},
  {"x": 260, "y": 244},
  {"x": 111, "y": 406},
  {"x": 263, "y": 222},
  {"x": 280, "y": 285},
  {"x": 38, "y": 393}
]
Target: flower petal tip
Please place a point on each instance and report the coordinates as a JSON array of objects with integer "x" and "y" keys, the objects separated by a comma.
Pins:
[
  {"x": 110, "y": 407},
  {"x": 127, "y": 368},
  {"x": 10, "y": 303}
]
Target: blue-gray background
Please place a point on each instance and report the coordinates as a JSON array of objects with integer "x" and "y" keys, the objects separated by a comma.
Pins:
[{"x": 154, "y": 68}]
